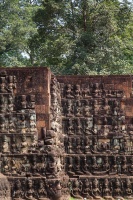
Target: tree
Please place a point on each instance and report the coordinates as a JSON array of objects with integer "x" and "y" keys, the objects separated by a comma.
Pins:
[
  {"x": 17, "y": 27},
  {"x": 99, "y": 47},
  {"x": 85, "y": 36},
  {"x": 70, "y": 36}
]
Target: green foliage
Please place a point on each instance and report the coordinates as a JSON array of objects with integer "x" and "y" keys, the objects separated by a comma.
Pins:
[
  {"x": 70, "y": 36},
  {"x": 17, "y": 27}
]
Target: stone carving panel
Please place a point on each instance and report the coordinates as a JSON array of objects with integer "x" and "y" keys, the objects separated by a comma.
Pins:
[
  {"x": 85, "y": 143},
  {"x": 98, "y": 141}
]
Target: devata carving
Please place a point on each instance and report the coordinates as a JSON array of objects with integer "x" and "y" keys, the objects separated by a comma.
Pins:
[
  {"x": 97, "y": 142},
  {"x": 82, "y": 146}
]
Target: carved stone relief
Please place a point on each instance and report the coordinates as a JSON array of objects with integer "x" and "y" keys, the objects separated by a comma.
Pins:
[
  {"x": 86, "y": 151},
  {"x": 98, "y": 143}
]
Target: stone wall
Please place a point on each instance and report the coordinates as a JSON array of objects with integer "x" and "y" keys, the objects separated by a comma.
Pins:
[
  {"x": 31, "y": 142},
  {"x": 97, "y": 121},
  {"x": 66, "y": 135}
]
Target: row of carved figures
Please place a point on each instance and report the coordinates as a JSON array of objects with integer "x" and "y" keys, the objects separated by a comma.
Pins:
[
  {"x": 32, "y": 165},
  {"x": 7, "y": 83},
  {"x": 24, "y": 144},
  {"x": 18, "y": 123},
  {"x": 86, "y": 188},
  {"x": 6, "y": 103},
  {"x": 94, "y": 126},
  {"x": 88, "y": 145},
  {"x": 97, "y": 188},
  {"x": 99, "y": 165},
  {"x": 38, "y": 189},
  {"x": 86, "y": 108},
  {"x": 95, "y": 90},
  {"x": 9, "y": 103},
  {"x": 25, "y": 102},
  {"x": 19, "y": 144}
]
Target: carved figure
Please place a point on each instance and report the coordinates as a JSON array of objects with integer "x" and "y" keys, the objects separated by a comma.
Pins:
[
  {"x": 105, "y": 130},
  {"x": 31, "y": 103},
  {"x": 86, "y": 92},
  {"x": 124, "y": 167},
  {"x": 78, "y": 127},
  {"x": 86, "y": 190},
  {"x": 34, "y": 167},
  {"x": 131, "y": 166},
  {"x": 95, "y": 166},
  {"x": 117, "y": 189},
  {"x": 11, "y": 84},
  {"x": 75, "y": 192},
  {"x": 5, "y": 145},
  {"x": 69, "y": 91},
  {"x": 78, "y": 109},
  {"x": 95, "y": 190},
  {"x": 42, "y": 165},
  {"x": 128, "y": 190},
  {"x": 95, "y": 147},
  {"x": 87, "y": 145},
  {"x": 88, "y": 125},
  {"x": 17, "y": 193},
  {"x": 70, "y": 111},
  {"x": 6, "y": 166},
  {"x": 107, "y": 107},
  {"x": 78, "y": 146},
  {"x": 107, "y": 190},
  {"x": 13, "y": 167},
  {"x": 23, "y": 102},
  {"x": 116, "y": 145},
  {"x": 24, "y": 145},
  {"x": 96, "y": 90},
  {"x": 106, "y": 165},
  {"x": 29, "y": 195},
  {"x": 3, "y": 124},
  {"x": 34, "y": 144},
  {"x": 77, "y": 91},
  {"x": 69, "y": 146},
  {"x": 10, "y": 103},
  {"x": 114, "y": 168},
  {"x": 51, "y": 168},
  {"x": 87, "y": 108},
  {"x": 25, "y": 168},
  {"x": 56, "y": 190},
  {"x": 22, "y": 124},
  {"x": 33, "y": 123},
  {"x": 95, "y": 129},
  {"x": 70, "y": 127},
  {"x": 14, "y": 146},
  {"x": 42, "y": 193},
  {"x": 84, "y": 166},
  {"x": 77, "y": 165},
  {"x": 116, "y": 107},
  {"x": 124, "y": 147},
  {"x": 70, "y": 169},
  {"x": 11, "y": 124},
  {"x": 3, "y": 104},
  {"x": 95, "y": 106},
  {"x": 105, "y": 147},
  {"x": 3, "y": 88}
]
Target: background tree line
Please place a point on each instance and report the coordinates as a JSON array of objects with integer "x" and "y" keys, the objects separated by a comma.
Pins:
[{"x": 69, "y": 36}]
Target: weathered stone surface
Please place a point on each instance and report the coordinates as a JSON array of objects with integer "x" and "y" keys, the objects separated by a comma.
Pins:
[
  {"x": 97, "y": 118},
  {"x": 65, "y": 135}
]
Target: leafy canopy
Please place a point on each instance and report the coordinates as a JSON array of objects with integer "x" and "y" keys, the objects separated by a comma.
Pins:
[{"x": 70, "y": 36}]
